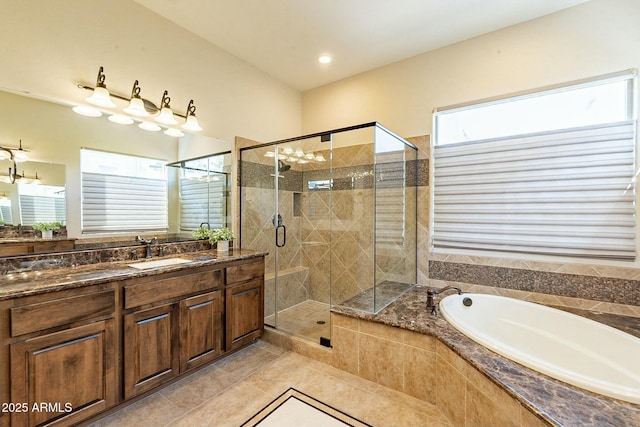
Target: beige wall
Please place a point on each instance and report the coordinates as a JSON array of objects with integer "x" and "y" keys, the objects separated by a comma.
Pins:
[
  {"x": 598, "y": 37},
  {"x": 47, "y": 47},
  {"x": 595, "y": 38}
]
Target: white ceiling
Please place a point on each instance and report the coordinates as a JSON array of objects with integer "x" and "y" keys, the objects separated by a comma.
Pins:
[{"x": 284, "y": 38}]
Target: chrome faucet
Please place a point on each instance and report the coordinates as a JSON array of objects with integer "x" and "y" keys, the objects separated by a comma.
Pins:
[
  {"x": 431, "y": 293},
  {"x": 147, "y": 242}
]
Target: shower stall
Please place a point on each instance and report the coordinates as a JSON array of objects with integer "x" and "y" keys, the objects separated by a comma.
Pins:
[{"x": 336, "y": 211}]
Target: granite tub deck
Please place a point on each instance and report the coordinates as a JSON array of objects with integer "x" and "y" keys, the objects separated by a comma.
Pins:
[
  {"x": 555, "y": 402},
  {"x": 33, "y": 281}
]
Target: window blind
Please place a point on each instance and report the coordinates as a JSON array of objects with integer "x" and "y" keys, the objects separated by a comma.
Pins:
[
  {"x": 202, "y": 201},
  {"x": 568, "y": 192},
  {"x": 113, "y": 203},
  {"x": 35, "y": 209}
]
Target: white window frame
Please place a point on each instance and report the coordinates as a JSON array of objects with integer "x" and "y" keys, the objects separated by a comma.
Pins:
[{"x": 498, "y": 208}]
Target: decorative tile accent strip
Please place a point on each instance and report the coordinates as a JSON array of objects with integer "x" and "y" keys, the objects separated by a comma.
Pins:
[
  {"x": 344, "y": 178},
  {"x": 608, "y": 289}
]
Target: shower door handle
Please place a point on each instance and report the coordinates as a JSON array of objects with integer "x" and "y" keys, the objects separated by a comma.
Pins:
[{"x": 284, "y": 235}]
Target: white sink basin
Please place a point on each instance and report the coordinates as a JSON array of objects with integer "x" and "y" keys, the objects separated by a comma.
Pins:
[{"x": 143, "y": 265}]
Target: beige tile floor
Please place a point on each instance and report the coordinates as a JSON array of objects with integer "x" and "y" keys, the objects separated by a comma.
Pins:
[{"x": 231, "y": 390}]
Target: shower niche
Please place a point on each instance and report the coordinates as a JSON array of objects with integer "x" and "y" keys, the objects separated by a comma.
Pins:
[{"x": 336, "y": 211}]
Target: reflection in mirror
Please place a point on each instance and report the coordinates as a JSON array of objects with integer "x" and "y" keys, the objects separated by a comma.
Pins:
[
  {"x": 28, "y": 200},
  {"x": 5, "y": 209},
  {"x": 41, "y": 203},
  {"x": 205, "y": 197}
]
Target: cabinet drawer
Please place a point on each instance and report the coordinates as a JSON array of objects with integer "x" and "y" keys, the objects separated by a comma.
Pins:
[
  {"x": 243, "y": 272},
  {"x": 58, "y": 312},
  {"x": 168, "y": 288}
]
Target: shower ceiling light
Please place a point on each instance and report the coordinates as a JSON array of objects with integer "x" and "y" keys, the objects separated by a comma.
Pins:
[{"x": 324, "y": 59}]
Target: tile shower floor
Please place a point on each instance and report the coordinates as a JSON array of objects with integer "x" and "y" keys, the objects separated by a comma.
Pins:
[
  {"x": 309, "y": 319},
  {"x": 231, "y": 390}
]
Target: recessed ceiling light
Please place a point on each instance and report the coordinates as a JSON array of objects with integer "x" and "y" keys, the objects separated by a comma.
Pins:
[{"x": 324, "y": 59}]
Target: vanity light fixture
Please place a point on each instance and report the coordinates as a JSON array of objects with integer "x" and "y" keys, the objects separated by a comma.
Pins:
[
  {"x": 120, "y": 119},
  {"x": 297, "y": 156},
  {"x": 174, "y": 132},
  {"x": 138, "y": 107},
  {"x": 136, "y": 104},
  {"x": 85, "y": 110},
  {"x": 166, "y": 115},
  {"x": 14, "y": 155},
  {"x": 191, "y": 122},
  {"x": 151, "y": 127},
  {"x": 100, "y": 95}
]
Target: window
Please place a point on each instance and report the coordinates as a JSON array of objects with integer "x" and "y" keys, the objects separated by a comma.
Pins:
[
  {"x": 41, "y": 203},
  {"x": 204, "y": 193},
  {"x": 122, "y": 193},
  {"x": 550, "y": 172}
]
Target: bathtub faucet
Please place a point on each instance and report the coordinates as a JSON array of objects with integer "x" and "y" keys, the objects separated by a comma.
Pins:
[{"x": 431, "y": 293}]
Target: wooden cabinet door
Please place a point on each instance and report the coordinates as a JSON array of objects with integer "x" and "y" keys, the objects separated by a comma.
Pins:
[
  {"x": 201, "y": 329},
  {"x": 65, "y": 376},
  {"x": 150, "y": 349},
  {"x": 244, "y": 313}
]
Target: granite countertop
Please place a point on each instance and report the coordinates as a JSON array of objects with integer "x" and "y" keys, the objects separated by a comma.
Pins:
[
  {"x": 35, "y": 239},
  {"x": 36, "y": 281},
  {"x": 557, "y": 402}
]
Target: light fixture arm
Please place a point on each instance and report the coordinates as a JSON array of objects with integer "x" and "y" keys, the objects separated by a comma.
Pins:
[
  {"x": 165, "y": 100},
  {"x": 101, "y": 78},
  {"x": 135, "y": 91},
  {"x": 191, "y": 109}
]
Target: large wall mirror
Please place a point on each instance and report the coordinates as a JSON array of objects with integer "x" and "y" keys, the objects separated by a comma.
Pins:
[{"x": 54, "y": 136}]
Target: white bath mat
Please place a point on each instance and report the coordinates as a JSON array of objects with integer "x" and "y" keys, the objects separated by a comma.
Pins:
[{"x": 294, "y": 408}]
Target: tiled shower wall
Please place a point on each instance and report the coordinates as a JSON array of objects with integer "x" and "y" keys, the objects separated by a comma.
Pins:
[
  {"x": 330, "y": 234},
  {"x": 603, "y": 288}
]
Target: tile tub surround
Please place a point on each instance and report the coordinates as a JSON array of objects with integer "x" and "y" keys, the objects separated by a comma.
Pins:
[{"x": 496, "y": 390}]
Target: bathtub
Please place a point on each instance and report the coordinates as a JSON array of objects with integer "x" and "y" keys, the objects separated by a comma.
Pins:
[{"x": 570, "y": 348}]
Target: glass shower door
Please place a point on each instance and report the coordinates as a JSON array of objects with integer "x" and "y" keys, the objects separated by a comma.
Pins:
[{"x": 279, "y": 216}]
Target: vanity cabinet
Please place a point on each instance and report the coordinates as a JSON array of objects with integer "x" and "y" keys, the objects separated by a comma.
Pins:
[
  {"x": 201, "y": 329},
  {"x": 170, "y": 326},
  {"x": 244, "y": 303},
  {"x": 150, "y": 351},
  {"x": 66, "y": 356},
  {"x": 62, "y": 356}
]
